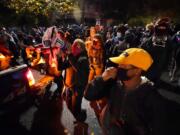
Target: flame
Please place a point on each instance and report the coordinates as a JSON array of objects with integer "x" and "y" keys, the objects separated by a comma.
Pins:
[
  {"x": 41, "y": 61},
  {"x": 77, "y": 13},
  {"x": 30, "y": 78},
  {"x": 29, "y": 56},
  {"x": 2, "y": 56},
  {"x": 53, "y": 64}
]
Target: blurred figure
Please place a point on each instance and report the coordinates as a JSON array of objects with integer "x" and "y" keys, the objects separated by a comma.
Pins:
[
  {"x": 160, "y": 48},
  {"x": 23, "y": 46},
  {"x": 117, "y": 41},
  {"x": 96, "y": 65},
  {"x": 5, "y": 54},
  {"x": 119, "y": 33},
  {"x": 47, "y": 118},
  {"x": 108, "y": 44},
  {"x": 149, "y": 30},
  {"x": 128, "y": 42},
  {"x": 75, "y": 82},
  {"x": 10, "y": 43},
  {"x": 96, "y": 57},
  {"x": 175, "y": 56}
]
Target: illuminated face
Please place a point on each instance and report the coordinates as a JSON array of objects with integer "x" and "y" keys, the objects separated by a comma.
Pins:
[
  {"x": 92, "y": 32},
  {"x": 96, "y": 43},
  {"x": 76, "y": 49},
  {"x": 108, "y": 35}
]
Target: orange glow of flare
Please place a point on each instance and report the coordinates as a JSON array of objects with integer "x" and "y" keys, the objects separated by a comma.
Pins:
[
  {"x": 53, "y": 64},
  {"x": 30, "y": 78},
  {"x": 29, "y": 52},
  {"x": 92, "y": 32},
  {"x": 4, "y": 61},
  {"x": 2, "y": 56},
  {"x": 41, "y": 61}
]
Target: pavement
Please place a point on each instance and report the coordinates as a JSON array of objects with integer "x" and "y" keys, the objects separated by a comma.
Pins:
[
  {"x": 53, "y": 118},
  {"x": 35, "y": 118},
  {"x": 62, "y": 119},
  {"x": 49, "y": 118},
  {"x": 67, "y": 120},
  {"x": 93, "y": 126}
]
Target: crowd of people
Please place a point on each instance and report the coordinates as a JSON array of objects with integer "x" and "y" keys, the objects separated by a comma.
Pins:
[{"x": 117, "y": 68}]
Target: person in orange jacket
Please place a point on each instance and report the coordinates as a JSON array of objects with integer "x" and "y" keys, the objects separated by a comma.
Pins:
[
  {"x": 5, "y": 53},
  {"x": 96, "y": 57},
  {"x": 96, "y": 64}
]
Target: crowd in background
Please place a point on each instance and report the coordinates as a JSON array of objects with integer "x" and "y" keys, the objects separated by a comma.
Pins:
[{"x": 84, "y": 55}]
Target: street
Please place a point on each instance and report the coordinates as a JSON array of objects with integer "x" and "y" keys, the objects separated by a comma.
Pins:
[
  {"x": 50, "y": 113},
  {"x": 53, "y": 118}
]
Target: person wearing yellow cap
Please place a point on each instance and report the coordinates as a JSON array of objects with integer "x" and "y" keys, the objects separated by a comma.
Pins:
[{"x": 132, "y": 99}]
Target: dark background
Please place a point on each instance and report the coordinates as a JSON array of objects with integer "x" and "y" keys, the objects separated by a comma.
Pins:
[{"x": 135, "y": 12}]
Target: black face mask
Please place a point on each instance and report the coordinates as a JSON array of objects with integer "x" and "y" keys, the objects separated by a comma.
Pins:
[
  {"x": 159, "y": 41},
  {"x": 122, "y": 74}
]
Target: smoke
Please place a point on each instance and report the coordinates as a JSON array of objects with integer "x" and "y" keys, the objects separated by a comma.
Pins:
[{"x": 77, "y": 13}]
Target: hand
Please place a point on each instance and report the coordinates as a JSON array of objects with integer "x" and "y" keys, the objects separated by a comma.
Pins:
[{"x": 109, "y": 73}]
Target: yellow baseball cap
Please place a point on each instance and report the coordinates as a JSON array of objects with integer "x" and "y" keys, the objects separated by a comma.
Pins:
[{"x": 134, "y": 56}]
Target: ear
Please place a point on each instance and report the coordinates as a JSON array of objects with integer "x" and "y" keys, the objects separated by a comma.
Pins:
[{"x": 138, "y": 71}]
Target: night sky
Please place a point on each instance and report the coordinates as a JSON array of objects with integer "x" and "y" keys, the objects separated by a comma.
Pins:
[{"x": 133, "y": 7}]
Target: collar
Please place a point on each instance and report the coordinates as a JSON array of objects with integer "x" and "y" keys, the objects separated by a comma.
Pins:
[{"x": 145, "y": 80}]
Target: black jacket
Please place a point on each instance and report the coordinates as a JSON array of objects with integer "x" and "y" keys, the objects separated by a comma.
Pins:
[
  {"x": 81, "y": 66},
  {"x": 161, "y": 58},
  {"x": 140, "y": 111},
  {"x": 81, "y": 69}
]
